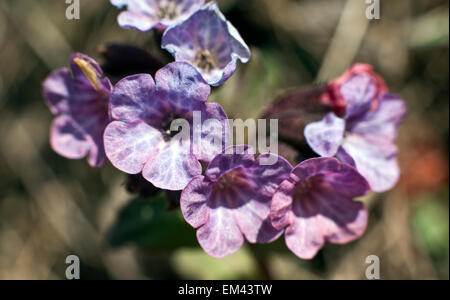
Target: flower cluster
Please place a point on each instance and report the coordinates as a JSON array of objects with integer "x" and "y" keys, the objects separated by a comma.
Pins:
[
  {"x": 163, "y": 128},
  {"x": 238, "y": 197}
]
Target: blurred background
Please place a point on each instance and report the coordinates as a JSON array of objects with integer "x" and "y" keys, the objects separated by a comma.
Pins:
[{"x": 51, "y": 207}]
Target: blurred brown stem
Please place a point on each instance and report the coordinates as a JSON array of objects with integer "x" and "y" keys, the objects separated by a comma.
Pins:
[{"x": 262, "y": 262}]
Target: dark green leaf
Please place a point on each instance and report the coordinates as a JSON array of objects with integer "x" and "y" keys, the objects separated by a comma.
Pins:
[{"x": 148, "y": 224}]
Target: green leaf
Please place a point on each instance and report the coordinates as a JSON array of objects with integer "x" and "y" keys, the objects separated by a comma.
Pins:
[
  {"x": 147, "y": 224},
  {"x": 431, "y": 225}
]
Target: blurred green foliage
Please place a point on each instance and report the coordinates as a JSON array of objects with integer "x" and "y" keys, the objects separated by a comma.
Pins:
[
  {"x": 431, "y": 226},
  {"x": 148, "y": 224}
]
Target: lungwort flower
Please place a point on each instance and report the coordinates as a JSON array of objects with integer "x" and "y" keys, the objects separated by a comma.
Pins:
[
  {"x": 347, "y": 101},
  {"x": 315, "y": 204},
  {"x": 365, "y": 137},
  {"x": 145, "y": 15},
  {"x": 146, "y": 137},
  {"x": 209, "y": 42},
  {"x": 79, "y": 98},
  {"x": 232, "y": 201}
]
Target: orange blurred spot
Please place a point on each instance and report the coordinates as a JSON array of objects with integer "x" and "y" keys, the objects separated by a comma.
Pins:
[{"x": 424, "y": 168}]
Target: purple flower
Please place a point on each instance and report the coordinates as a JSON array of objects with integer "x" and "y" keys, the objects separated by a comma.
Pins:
[
  {"x": 315, "y": 204},
  {"x": 144, "y": 139},
  {"x": 365, "y": 137},
  {"x": 345, "y": 100},
  {"x": 145, "y": 15},
  {"x": 232, "y": 201},
  {"x": 79, "y": 98},
  {"x": 209, "y": 42}
]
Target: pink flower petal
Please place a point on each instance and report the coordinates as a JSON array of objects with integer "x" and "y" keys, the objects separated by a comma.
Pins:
[
  {"x": 325, "y": 137},
  {"x": 68, "y": 139},
  {"x": 377, "y": 162},
  {"x": 134, "y": 98},
  {"x": 129, "y": 146},
  {"x": 220, "y": 236},
  {"x": 173, "y": 167}
]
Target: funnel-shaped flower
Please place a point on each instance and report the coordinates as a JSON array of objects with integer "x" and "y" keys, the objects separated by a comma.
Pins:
[
  {"x": 146, "y": 135},
  {"x": 366, "y": 136},
  {"x": 209, "y": 42},
  {"x": 145, "y": 15},
  {"x": 316, "y": 205},
  {"x": 79, "y": 98},
  {"x": 232, "y": 201}
]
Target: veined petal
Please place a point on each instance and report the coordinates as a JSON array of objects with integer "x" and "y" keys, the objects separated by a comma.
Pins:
[
  {"x": 252, "y": 200},
  {"x": 382, "y": 124},
  {"x": 218, "y": 233},
  {"x": 71, "y": 140},
  {"x": 140, "y": 15},
  {"x": 325, "y": 137},
  {"x": 136, "y": 20},
  {"x": 129, "y": 146},
  {"x": 220, "y": 236},
  {"x": 254, "y": 222},
  {"x": 56, "y": 91},
  {"x": 181, "y": 86},
  {"x": 234, "y": 157},
  {"x": 359, "y": 92},
  {"x": 194, "y": 201},
  {"x": 145, "y": 15},
  {"x": 173, "y": 167},
  {"x": 269, "y": 176},
  {"x": 306, "y": 236},
  {"x": 68, "y": 139},
  {"x": 281, "y": 213},
  {"x": 134, "y": 98},
  {"x": 211, "y": 135},
  {"x": 377, "y": 162}
]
